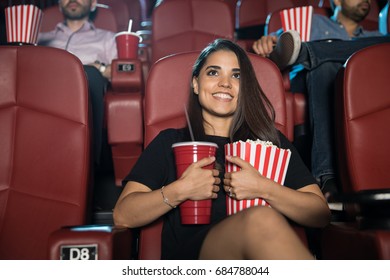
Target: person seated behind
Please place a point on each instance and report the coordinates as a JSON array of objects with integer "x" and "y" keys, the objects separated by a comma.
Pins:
[
  {"x": 321, "y": 62},
  {"x": 226, "y": 104},
  {"x": 78, "y": 35},
  {"x": 344, "y": 24},
  {"x": 95, "y": 47}
]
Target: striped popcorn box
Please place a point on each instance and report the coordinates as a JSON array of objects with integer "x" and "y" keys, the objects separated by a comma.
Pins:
[
  {"x": 23, "y": 23},
  {"x": 298, "y": 19},
  {"x": 271, "y": 161}
]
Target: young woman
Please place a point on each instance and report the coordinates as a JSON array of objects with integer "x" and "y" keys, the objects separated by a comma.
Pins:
[{"x": 226, "y": 105}]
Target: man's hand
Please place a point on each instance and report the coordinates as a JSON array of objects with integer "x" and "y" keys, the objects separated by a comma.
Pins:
[{"x": 264, "y": 45}]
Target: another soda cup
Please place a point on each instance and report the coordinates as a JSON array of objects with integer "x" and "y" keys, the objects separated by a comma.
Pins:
[
  {"x": 127, "y": 44},
  {"x": 193, "y": 211}
]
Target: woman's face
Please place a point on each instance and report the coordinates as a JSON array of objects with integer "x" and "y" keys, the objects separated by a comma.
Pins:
[{"x": 218, "y": 84}]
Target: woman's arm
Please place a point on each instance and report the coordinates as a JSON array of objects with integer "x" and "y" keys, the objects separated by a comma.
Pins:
[
  {"x": 138, "y": 205},
  {"x": 306, "y": 206}
]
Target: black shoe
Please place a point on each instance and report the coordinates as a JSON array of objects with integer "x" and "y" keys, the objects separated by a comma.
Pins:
[
  {"x": 286, "y": 50},
  {"x": 329, "y": 187}
]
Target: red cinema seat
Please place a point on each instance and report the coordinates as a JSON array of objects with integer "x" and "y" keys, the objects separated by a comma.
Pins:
[
  {"x": 45, "y": 159},
  {"x": 363, "y": 135},
  {"x": 167, "y": 90},
  {"x": 189, "y": 25},
  {"x": 45, "y": 148}
]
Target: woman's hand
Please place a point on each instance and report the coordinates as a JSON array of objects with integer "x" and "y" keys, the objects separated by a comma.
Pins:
[
  {"x": 246, "y": 183},
  {"x": 198, "y": 183}
]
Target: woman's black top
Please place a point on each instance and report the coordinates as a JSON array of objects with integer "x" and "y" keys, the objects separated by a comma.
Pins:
[{"x": 156, "y": 168}]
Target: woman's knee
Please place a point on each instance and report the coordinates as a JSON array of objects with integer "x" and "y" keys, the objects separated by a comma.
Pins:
[{"x": 262, "y": 221}]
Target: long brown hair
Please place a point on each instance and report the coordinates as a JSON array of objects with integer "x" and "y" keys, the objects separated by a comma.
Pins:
[{"x": 254, "y": 117}]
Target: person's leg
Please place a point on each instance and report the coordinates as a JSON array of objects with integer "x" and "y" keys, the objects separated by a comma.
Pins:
[
  {"x": 320, "y": 92},
  {"x": 289, "y": 50},
  {"x": 97, "y": 86},
  {"x": 315, "y": 53},
  {"x": 255, "y": 233}
]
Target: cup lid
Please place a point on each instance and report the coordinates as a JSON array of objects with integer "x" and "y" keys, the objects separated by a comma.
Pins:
[
  {"x": 194, "y": 143},
  {"x": 131, "y": 33}
]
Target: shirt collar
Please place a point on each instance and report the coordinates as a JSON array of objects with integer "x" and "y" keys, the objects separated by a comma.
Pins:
[{"x": 88, "y": 25}]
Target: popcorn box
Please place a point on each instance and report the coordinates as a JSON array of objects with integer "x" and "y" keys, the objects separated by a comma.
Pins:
[
  {"x": 298, "y": 19},
  {"x": 270, "y": 160},
  {"x": 23, "y": 23}
]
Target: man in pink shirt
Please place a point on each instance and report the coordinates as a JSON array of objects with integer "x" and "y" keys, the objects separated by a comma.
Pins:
[
  {"x": 95, "y": 47},
  {"x": 78, "y": 35}
]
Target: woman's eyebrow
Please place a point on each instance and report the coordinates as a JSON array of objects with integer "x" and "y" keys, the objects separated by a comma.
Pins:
[
  {"x": 213, "y": 66},
  {"x": 219, "y": 67}
]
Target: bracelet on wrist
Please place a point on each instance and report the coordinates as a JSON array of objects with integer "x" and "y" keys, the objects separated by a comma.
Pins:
[{"x": 165, "y": 199}]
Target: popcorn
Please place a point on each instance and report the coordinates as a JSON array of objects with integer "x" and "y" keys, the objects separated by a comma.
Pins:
[
  {"x": 299, "y": 19},
  {"x": 270, "y": 160},
  {"x": 23, "y": 23}
]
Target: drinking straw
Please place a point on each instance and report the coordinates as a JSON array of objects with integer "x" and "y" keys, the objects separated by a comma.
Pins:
[
  {"x": 130, "y": 24},
  {"x": 189, "y": 124}
]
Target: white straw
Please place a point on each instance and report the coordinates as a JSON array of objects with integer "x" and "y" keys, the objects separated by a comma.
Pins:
[
  {"x": 130, "y": 24},
  {"x": 189, "y": 124}
]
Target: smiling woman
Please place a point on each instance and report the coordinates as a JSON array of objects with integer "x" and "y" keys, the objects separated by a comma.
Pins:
[
  {"x": 226, "y": 104},
  {"x": 217, "y": 88}
]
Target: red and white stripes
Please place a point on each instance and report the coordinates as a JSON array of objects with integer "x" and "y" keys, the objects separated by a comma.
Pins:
[
  {"x": 298, "y": 19},
  {"x": 23, "y": 23},
  {"x": 271, "y": 161}
]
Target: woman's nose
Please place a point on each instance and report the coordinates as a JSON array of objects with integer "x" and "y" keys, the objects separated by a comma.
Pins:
[{"x": 225, "y": 82}]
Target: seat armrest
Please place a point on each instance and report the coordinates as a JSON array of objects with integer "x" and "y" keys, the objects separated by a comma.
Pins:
[
  {"x": 126, "y": 75},
  {"x": 371, "y": 208},
  {"x": 100, "y": 242}
]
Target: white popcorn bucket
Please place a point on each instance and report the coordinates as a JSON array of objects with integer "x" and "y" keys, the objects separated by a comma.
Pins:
[
  {"x": 23, "y": 23},
  {"x": 298, "y": 19},
  {"x": 271, "y": 161}
]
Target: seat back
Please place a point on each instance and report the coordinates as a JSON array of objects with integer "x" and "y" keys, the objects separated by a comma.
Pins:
[
  {"x": 254, "y": 12},
  {"x": 103, "y": 18},
  {"x": 251, "y": 17},
  {"x": 121, "y": 10},
  {"x": 45, "y": 148},
  {"x": 124, "y": 10},
  {"x": 189, "y": 25},
  {"x": 167, "y": 90},
  {"x": 363, "y": 114}
]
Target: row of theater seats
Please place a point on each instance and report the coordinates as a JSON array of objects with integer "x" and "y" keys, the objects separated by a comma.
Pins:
[{"x": 45, "y": 164}]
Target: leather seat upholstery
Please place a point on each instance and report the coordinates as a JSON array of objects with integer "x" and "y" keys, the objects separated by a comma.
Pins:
[
  {"x": 45, "y": 148},
  {"x": 363, "y": 136}
]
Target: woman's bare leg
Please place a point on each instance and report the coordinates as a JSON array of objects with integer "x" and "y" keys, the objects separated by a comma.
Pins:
[{"x": 255, "y": 233}]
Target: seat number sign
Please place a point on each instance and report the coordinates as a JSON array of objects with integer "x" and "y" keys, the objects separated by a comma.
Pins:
[{"x": 79, "y": 252}]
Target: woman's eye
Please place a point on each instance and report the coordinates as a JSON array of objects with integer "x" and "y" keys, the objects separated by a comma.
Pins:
[
  {"x": 212, "y": 73},
  {"x": 236, "y": 75}
]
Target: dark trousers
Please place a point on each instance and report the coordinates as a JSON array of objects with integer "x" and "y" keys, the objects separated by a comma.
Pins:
[
  {"x": 97, "y": 85},
  {"x": 322, "y": 60}
]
